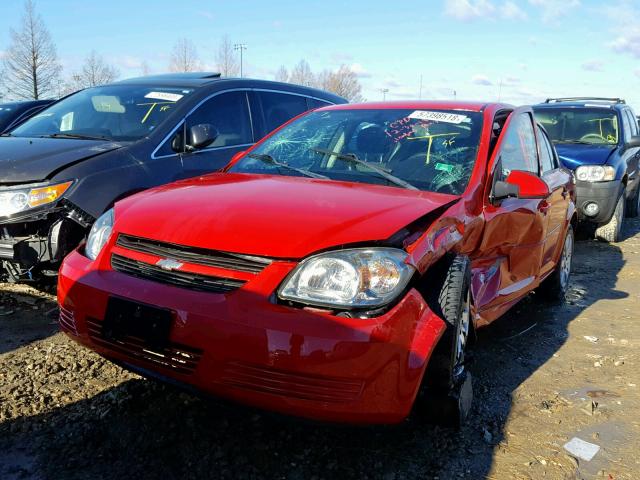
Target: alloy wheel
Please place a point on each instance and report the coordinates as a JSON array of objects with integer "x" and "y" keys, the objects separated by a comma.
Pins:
[{"x": 565, "y": 260}]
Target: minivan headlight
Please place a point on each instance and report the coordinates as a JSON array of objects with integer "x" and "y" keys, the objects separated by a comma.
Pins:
[
  {"x": 99, "y": 234},
  {"x": 595, "y": 173},
  {"x": 354, "y": 278},
  {"x": 19, "y": 199}
]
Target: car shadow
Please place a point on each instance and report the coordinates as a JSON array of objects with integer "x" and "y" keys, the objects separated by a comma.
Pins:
[
  {"x": 26, "y": 315},
  {"x": 142, "y": 429}
]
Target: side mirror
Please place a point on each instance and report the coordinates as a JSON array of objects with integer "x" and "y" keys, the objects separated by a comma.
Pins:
[
  {"x": 633, "y": 143},
  {"x": 201, "y": 136},
  {"x": 520, "y": 184}
]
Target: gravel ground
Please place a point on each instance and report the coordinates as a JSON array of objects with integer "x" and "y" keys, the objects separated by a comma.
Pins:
[{"x": 543, "y": 375}]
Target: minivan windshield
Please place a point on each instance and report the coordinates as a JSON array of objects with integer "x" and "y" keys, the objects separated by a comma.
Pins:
[
  {"x": 430, "y": 149},
  {"x": 112, "y": 112},
  {"x": 592, "y": 126}
]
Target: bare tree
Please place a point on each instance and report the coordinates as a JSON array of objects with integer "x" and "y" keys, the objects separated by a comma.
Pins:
[
  {"x": 184, "y": 57},
  {"x": 30, "y": 65},
  {"x": 226, "y": 59},
  {"x": 343, "y": 82},
  {"x": 95, "y": 71},
  {"x": 302, "y": 74},
  {"x": 282, "y": 75}
]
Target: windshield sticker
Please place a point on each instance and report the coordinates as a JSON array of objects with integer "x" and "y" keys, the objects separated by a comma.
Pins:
[
  {"x": 170, "y": 97},
  {"x": 444, "y": 167},
  {"x": 439, "y": 116}
]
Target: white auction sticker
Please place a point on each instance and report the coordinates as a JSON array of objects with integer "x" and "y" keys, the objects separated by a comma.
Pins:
[
  {"x": 438, "y": 116},
  {"x": 170, "y": 97}
]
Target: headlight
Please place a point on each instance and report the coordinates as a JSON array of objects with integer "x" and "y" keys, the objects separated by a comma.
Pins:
[
  {"x": 595, "y": 173},
  {"x": 99, "y": 234},
  {"x": 19, "y": 199},
  {"x": 349, "y": 278}
]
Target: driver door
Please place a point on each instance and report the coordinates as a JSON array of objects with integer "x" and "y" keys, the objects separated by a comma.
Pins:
[
  {"x": 507, "y": 262},
  {"x": 229, "y": 114}
]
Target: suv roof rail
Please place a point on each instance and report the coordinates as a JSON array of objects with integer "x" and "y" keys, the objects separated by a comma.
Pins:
[{"x": 590, "y": 99}]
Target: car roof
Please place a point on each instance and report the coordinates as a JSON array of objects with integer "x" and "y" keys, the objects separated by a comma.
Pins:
[
  {"x": 184, "y": 79},
  {"x": 585, "y": 102},
  {"x": 419, "y": 105},
  {"x": 200, "y": 79},
  {"x": 26, "y": 103}
]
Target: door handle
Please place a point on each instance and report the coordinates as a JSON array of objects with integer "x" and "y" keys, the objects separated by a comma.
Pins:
[{"x": 565, "y": 193}]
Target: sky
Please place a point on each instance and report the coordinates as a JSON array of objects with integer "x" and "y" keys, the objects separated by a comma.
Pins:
[{"x": 517, "y": 51}]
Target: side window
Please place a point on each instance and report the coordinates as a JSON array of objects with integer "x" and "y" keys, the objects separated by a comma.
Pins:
[
  {"x": 626, "y": 127},
  {"x": 315, "y": 103},
  {"x": 278, "y": 108},
  {"x": 229, "y": 114},
  {"x": 633, "y": 123},
  {"x": 519, "y": 151},
  {"x": 547, "y": 157}
]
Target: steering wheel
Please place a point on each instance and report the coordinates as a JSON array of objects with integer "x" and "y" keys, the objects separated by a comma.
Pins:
[{"x": 595, "y": 136}]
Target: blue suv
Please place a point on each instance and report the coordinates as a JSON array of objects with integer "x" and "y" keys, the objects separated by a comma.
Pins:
[{"x": 597, "y": 138}]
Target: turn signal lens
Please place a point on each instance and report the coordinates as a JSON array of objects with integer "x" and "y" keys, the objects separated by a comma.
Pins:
[{"x": 48, "y": 194}]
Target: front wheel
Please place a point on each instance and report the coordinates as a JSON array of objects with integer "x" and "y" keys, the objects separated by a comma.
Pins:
[
  {"x": 612, "y": 231},
  {"x": 556, "y": 285},
  {"x": 448, "y": 390}
]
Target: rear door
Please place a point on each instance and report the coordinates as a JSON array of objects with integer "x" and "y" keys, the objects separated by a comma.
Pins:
[
  {"x": 557, "y": 179},
  {"x": 272, "y": 109},
  {"x": 507, "y": 262}
]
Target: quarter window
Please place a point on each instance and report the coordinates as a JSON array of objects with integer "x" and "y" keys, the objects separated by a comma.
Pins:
[
  {"x": 278, "y": 108},
  {"x": 633, "y": 123},
  {"x": 547, "y": 157},
  {"x": 519, "y": 150},
  {"x": 229, "y": 114}
]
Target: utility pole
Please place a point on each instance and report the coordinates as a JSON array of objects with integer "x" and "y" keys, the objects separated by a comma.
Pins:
[
  {"x": 241, "y": 47},
  {"x": 384, "y": 94},
  {"x": 500, "y": 91},
  {"x": 420, "y": 95},
  {"x": 455, "y": 95}
]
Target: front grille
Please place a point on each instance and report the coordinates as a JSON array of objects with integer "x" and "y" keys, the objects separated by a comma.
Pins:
[
  {"x": 278, "y": 382},
  {"x": 175, "y": 357},
  {"x": 198, "y": 256},
  {"x": 67, "y": 321},
  {"x": 191, "y": 281}
]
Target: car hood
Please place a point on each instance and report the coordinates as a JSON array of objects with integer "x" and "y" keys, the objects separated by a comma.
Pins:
[
  {"x": 25, "y": 160},
  {"x": 572, "y": 156},
  {"x": 273, "y": 216}
]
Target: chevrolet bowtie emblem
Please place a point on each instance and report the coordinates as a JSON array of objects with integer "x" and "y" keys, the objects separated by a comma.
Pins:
[{"x": 169, "y": 264}]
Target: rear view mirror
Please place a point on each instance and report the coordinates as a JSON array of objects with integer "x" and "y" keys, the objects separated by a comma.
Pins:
[
  {"x": 520, "y": 184},
  {"x": 201, "y": 136}
]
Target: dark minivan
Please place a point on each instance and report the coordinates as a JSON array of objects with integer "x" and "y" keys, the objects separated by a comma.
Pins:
[
  {"x": 68, "y": 164},
  {"x": 14, "y": 113}
]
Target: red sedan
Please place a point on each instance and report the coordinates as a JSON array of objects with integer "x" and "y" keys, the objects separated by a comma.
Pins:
[{"x": 338, "y": 267}]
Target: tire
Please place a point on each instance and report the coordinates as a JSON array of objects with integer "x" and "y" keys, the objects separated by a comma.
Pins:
[
  {"x": 633, "y": 204},
  {"x": 611, "y": 231},
  {"x": 554, "y": 288},
  {"x": 448, "y": 388}
]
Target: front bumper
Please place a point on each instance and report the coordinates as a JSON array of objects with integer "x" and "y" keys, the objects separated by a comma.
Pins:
[
  {"x": 243, "y": 347},
  {"x": 604, "y": 194}
]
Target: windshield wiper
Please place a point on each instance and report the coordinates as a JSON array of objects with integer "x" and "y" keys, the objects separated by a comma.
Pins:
[
  {"x": 272, "y": 161},
  {"x": 77, "y": 136},
  {"x": 353, "y": 158}
]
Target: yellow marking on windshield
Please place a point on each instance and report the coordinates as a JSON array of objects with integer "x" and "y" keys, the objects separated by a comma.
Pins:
[
  {"x": 610, "y": 138},
  {"x": 448, "y": 143},
  {"x": 152, "y": 105}
]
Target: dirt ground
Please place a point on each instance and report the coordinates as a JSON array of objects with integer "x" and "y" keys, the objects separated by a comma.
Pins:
[{"x": 542, "y": 375}]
